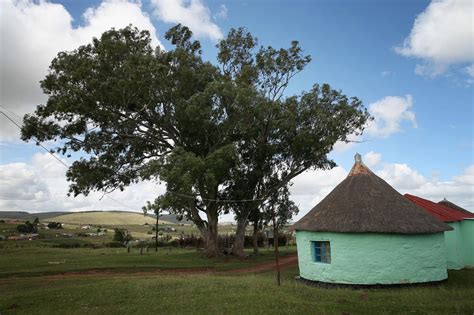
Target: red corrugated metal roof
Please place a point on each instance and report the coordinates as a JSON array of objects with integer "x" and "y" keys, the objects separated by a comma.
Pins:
[{"x": 439, "y": 211}]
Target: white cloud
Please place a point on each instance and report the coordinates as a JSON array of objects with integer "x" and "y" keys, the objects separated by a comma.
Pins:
[
  {"x": 311, "y": 187},
  {"x": 41, "y": 186},
  {"x": 341, "y": 146},
  {"x": 441, "y": 36},
  {"x": 193, "y": 14},
  {"x": 32, "y": 33},
  {"x": 371, "y": 159},
  {"x": 467, "y": 177},
  {"x": 460, "y": 189},
  {"x": 19, "y": 182},
  {"x": 389, "y": 114},
  {"x": 470, "y": 70},
  {"x": 222, "y": 13},
  {"x": 401, "y": 176}
]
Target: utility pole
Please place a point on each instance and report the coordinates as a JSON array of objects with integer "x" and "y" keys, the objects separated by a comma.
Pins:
[
  {"x": 275, "y": 244},
  {"x": 157, "y": 212}
]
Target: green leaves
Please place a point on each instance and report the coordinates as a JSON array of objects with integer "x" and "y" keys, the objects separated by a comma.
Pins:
[{"x": 211, "y": 132}]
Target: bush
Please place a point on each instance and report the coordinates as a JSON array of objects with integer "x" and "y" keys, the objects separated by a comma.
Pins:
[
  {"x": 90, "y": 245},
  {"x": 248, "y": 241},
  {"x": 68, "y": 245},
  {"x": 114, "y": 244},
  {"x": 28, "y": 227},
  {"x": 281, "y": 240},
  {"x": 173, "y": 243},
  {"x": 2, "y": 221},
  {"x": 55, "y": 225},
  {"x": 121, "y": 235},
  {"x": 190, "y": 240}
]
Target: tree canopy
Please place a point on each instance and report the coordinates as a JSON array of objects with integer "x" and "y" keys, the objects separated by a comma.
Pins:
[{"x": 212, "y": 132}]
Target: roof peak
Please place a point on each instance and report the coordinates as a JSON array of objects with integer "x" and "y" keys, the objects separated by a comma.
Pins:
[
  {"x": 359, "y": 167},
  {"x": 358, "y": 158}
]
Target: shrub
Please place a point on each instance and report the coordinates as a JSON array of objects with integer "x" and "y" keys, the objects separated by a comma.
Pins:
[
  {"x": 67, "y": 245},
  {"x": 121, "y": 235},
  {"x": 28, "y": 227},
  {"x": 248, "y": 241},
  {"x": 90, "y": 245},
  {"x": 190, "y": 240},
  {"x": 55, "y": 225},
  {"x": 114, "y": 244}
]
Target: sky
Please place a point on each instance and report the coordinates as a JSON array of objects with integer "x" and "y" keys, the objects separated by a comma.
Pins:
[{"x": 410, "y": 62}]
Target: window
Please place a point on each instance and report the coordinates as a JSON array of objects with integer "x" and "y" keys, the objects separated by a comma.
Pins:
[{"x": 321, "y": 251}]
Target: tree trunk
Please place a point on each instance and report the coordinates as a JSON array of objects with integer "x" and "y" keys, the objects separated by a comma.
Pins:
[
  {"x": 255, "y": 238},
  {"x": 209, "y": 233},
  {"x": 239, "y": 240}
]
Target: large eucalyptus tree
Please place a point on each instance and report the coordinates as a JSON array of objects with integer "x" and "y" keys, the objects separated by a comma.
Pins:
[{"x": 212, "y": 132}]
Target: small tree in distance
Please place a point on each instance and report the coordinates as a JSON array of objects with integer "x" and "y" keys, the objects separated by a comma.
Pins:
[
  {"x": 122, "y": 236},
  {"x": 156, "y": 209},
  {"x": 277, "y": 212}
]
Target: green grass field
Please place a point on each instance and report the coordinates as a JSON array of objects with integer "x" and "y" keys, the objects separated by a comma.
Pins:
[
  {"x": 219, "y": 294},
  {"x": 38, "y": 278},
  {"x": 36, "y": 260}
]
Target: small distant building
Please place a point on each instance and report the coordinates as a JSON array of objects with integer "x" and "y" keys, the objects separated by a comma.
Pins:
[
  {"x": 366, "y": 233},
  {"x": 23, "y": 237},
  {"x": 459, "y": 241}
]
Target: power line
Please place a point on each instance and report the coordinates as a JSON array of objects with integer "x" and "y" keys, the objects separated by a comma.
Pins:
[
  {"x": 35, "y": 139},
  {"x": 219, "y": 200},
  {"x": 58, "y": 159},
  {"x": 174, "y": 193}
]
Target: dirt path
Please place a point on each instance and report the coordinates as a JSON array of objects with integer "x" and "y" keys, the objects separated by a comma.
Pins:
[{"x": 285, "y": 262}]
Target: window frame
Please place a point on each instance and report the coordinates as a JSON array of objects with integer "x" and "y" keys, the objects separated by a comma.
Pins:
[{"x": 321, "y": 252}]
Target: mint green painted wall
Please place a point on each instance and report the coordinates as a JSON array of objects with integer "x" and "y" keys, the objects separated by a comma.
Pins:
[
  {"x": 454, "y": 246},
  {"x": 467, "y": 234},
  {"x": 374, "y": 258}
]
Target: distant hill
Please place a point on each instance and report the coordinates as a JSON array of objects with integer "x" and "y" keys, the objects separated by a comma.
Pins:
[
  {"x": 23, "y": 215},
  {"x": 92, "y": 217},
  {"x": 170, "y": 218},
  {"x": 105, "y": 218}
]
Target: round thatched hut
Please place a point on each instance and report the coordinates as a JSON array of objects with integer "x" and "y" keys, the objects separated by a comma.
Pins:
[{"x": 366, "y": 233}]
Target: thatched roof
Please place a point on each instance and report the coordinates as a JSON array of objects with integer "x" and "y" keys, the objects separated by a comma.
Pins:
[
  {"x": 445, "y": 202},
  {"x": 363, "y": 202}
]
